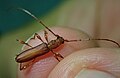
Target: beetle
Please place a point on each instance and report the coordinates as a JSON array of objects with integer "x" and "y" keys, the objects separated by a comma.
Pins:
[{"x": 45, "y": 47}]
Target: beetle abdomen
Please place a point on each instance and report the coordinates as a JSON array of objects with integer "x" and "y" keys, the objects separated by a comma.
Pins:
[{"x": 32, "y": 53}]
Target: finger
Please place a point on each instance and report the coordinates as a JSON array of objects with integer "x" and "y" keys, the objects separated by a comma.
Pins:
[
  {"x": 44, "y": 64},
  {"x": 89, "y": 63}
]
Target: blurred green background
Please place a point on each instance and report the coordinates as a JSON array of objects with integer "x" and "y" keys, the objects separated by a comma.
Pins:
[
  {"x": 15, "y": 24},
  {"x": 96, "y": 17}
]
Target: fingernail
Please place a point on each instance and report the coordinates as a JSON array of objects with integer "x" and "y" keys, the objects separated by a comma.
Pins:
[{"x": 89, "y": 73}]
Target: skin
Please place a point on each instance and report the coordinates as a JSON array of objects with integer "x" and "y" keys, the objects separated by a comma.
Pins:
[
  {"x": 100, "y": 21},
  {"x": 48, "y": 67}
]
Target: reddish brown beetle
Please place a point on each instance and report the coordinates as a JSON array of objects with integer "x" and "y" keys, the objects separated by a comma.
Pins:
[{"x": 43, "y": 48}]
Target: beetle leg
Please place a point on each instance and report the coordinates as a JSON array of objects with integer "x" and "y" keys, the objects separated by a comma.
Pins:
[
  {"x": 38, "y": 36},
  {"x": 22, "y": 42},
  {"x": 25, "y": 65},
  {"x": 46, "y": 35},
  {"x": 22, "y": 67},
  {"x": 56, "y": 55}
]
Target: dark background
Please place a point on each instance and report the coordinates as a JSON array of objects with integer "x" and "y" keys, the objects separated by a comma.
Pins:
[{"x": 11, "y": 19}]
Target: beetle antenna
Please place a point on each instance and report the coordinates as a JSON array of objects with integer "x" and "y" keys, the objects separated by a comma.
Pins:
[
  {"x": 29, "y": 13},
  {"x": 102, "y": 39},
  {"x": 109, "y": 41}
]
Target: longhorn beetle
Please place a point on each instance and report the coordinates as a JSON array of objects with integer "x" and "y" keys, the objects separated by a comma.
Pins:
[{"x": 44, "y": 47}]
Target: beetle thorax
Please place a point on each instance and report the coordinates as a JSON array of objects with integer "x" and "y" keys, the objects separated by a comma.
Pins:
[{"x": 55, "y": 43}]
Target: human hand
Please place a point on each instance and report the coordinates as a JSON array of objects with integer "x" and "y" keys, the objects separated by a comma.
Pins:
[{"x": 80, "y": 58}]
